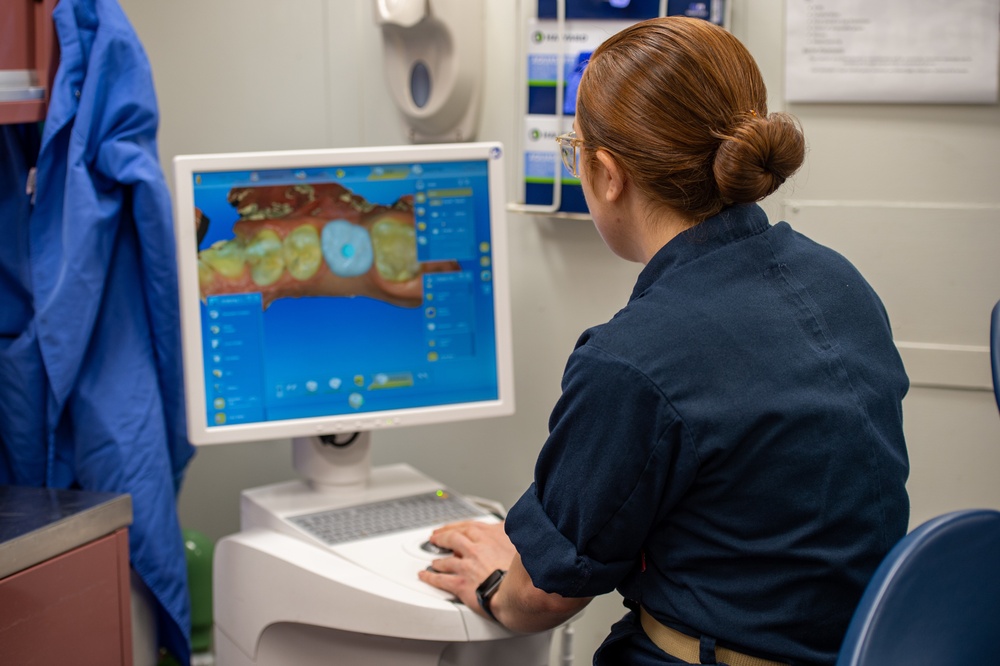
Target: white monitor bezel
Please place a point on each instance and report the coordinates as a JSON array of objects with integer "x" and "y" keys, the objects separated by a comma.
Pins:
[{"x": 195, "y": 399}]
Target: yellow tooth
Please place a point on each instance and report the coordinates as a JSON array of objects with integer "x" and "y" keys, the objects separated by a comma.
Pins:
[
  {"x": 206, "y": 276},
  {"x": 302, "y": 254},
  {"x": 395, "y": 246},
  {"x": 263, "y": 254},
  {"x": 225, "y": 258}
]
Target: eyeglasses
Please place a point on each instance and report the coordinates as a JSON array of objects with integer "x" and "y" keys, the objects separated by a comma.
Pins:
[{"x": 569, "y": 146}]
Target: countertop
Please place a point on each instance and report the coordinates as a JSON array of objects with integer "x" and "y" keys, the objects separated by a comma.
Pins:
[{"x": 37, "y": 524}]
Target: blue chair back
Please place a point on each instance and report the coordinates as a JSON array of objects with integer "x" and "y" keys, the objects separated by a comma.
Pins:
[
  {"x": 935, "y": 599},
  {"x": 995, "y": 350}
]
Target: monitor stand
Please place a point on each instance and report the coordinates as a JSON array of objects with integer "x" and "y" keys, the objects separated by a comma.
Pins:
[
  {"x": 333, "y": 463},
  {"x": 282, "y": 596}
]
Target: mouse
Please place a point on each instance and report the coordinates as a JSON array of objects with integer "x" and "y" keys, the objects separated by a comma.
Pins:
[{"x": 435, "y": 550}]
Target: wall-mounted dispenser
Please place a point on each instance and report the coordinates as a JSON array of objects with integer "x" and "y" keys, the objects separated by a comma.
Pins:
[{"x": 433, "y": 56}]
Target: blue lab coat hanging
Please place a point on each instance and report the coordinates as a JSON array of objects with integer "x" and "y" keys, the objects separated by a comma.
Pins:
[{"x": 91, "y": 391}]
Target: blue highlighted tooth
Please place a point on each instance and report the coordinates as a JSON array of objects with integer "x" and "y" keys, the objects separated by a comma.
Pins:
[{"x": 347, "y": 248}]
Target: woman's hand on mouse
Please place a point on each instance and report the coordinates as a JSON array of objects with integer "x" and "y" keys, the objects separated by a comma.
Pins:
[{"x": 478, "y": 549}]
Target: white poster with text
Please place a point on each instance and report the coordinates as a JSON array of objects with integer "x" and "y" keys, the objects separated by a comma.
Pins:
[{"x": 897, "y": 51}]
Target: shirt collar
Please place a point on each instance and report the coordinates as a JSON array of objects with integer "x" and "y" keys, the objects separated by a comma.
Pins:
[{"x": 729, "y": 226}]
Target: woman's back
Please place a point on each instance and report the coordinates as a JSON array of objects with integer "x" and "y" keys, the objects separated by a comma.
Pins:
[{"x": 768, "y": 364}]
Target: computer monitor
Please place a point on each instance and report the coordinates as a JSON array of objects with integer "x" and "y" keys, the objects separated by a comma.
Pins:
[{"x": 330, "y": 292}]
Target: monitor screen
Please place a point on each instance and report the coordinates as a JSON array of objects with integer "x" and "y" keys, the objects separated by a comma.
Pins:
[{"x": 342, "y": 290}]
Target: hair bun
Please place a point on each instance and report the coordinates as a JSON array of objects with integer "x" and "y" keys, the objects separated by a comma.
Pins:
[{"x": 758, "y": 156}]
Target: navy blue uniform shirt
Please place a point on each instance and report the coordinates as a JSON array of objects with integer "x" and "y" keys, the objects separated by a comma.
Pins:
[{"x": 728, "y": 450}]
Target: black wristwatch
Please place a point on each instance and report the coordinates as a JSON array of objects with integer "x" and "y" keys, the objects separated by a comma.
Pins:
[{"x": 486, "y": 590}]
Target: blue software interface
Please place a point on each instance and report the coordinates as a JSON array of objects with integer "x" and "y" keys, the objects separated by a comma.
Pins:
[{"x": 345, "y": 290}]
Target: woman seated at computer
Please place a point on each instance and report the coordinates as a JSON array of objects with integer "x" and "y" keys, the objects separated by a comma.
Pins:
[{"x": 727, "y": 451}]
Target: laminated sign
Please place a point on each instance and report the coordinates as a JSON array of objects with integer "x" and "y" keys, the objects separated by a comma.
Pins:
[{"x": 556, "y": 55}]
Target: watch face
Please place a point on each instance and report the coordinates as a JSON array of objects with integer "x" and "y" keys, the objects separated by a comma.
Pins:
[
  {"x": 486, "y": 590},
  {"x": 492, "y": 582},
  {"x": 490, "y": 585}
]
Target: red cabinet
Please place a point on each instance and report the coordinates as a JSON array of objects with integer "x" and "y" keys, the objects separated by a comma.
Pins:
[
  {"x": 29, "y": 57},
  {"x": 64, "y": 578}
]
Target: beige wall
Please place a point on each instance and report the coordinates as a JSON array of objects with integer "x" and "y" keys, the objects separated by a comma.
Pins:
[{"x": 906, "y": 192}]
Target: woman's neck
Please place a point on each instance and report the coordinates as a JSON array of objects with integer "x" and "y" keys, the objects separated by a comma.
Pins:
[{"x": 657, "y": 227}]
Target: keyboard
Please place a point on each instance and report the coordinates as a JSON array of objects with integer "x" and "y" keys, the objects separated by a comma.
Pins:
[{"x": 352, "y": 523}]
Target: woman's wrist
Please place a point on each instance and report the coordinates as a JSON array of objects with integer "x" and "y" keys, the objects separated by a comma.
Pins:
[{"x": 486, "y": 591}]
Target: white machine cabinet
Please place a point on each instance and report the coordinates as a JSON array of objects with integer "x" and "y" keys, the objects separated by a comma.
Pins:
[{"x": 283, "y": 597}]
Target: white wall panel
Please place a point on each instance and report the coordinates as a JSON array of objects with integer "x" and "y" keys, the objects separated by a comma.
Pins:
[
  {"x": 953, "y": 437},
  {"x": 235, "y": 75}
]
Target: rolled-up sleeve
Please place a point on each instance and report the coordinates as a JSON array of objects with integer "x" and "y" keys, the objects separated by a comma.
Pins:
[{"x": 616, "y": 459}]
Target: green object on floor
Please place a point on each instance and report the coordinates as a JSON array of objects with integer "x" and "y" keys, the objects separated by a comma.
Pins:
[{"x": 199, "y": 551}]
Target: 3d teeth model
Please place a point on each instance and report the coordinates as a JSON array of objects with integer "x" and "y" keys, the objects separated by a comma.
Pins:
[{"x": 348, "y": 250}]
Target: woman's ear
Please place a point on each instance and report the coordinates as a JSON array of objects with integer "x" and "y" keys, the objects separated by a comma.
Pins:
[{"x": 613, "y": 180}]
